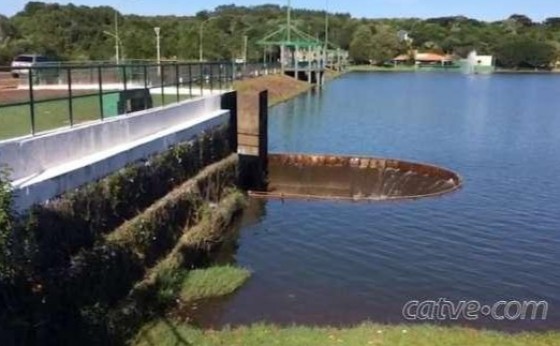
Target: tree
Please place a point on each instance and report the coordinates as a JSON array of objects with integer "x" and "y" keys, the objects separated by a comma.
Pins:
[
  {"x": 386, "y": 44},
  {"x": 520, "y": 52},
  {"x": 361, "y": 48},
  {"x": 72, "y": 32},
  {"x": 553, "y": 22},
  {"x": 521, "y": 20}
]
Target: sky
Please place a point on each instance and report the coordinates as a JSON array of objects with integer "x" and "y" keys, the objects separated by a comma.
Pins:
[{"x": 478, "y": 9}]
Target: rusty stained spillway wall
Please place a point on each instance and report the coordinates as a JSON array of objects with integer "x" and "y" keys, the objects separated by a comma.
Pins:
[{"x": 354, "y": 178}]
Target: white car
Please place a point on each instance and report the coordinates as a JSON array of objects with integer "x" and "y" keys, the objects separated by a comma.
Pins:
[{"x": 22, "y": 63}]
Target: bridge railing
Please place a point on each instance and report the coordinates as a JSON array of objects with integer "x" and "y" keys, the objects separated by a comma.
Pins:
[{"x": 52, "y": 96}]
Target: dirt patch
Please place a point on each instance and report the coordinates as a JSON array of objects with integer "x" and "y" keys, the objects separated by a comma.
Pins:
[
  {"x": 7, "y": 82},
  {"x": 280, "y": 89}
]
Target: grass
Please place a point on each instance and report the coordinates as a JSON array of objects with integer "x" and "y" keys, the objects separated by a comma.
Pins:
[
  {"x": 16, "y": 120},
  {"x": 213, "y": 282},
  {"x": 372, "y": 68},
  {"x": 165, "y": 332},
  {"x": 403, "y": 68}
]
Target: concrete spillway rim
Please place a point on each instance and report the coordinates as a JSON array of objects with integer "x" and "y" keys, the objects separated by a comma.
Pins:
[{"x": 458, "y": 180}]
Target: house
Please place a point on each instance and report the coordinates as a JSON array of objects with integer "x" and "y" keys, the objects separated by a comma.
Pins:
[
  {"x": 401, "y": 59},
  {"x": 424, "y": 59},
  {"x": 421, "y": 59},
  {"x": 479, "y": 64}
]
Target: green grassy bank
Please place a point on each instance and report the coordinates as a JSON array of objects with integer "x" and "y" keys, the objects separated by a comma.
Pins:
[
  {"x": 166, "y": 332},
  {"x": 372, "y": 68}
]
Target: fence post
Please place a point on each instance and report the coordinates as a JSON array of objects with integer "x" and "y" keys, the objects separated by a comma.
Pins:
[
  {"x": 233, "y": 74},
  {"x": 162, "y": 81},
  {"x": 190, "y": 80},
  {"x": 146, "y": 86},
  {"x": 100, "y": 81},
  {"x": 220, "y": 77},
  {"x": 31, "y": 101},
  {"x": 201, "y": 68},
  {"x": 70, "y": 105},
  {"x": 124, "y": 76},
  {"x": 211, "y": 78},
  {"x": 177, "y": 80}
]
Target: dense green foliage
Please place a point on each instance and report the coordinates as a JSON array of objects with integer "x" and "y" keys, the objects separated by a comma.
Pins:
[
  {"x": 6, "y": 223},
  {"x": 76, "y": 33},
  {"x": 62, "y": 265}
]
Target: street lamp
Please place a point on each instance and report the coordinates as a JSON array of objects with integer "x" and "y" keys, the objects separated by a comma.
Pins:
[
  {"x": 201, "y": 39},
  {"x": 157, "y": 30},
  {"x": 116, "y": 37},
  {"x": 326, "y": 33}
]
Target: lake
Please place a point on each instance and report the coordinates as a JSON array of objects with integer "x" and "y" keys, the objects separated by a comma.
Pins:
[{"x": 339, "y": 263}]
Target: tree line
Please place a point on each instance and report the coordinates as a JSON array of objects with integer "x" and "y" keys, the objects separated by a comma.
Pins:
[{"x": 76, "y": 33}]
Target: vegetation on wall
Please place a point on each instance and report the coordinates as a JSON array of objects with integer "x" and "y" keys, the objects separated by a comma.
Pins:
[
  {"x": 162, "y": 285},
  {"x": 6, "y": 223},
  {"x": 64, "y": 264},
  {"x": 72, "y": 32}
]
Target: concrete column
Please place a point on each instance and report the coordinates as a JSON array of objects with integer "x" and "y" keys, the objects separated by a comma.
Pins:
[
  {"x": 253, "y": 165},
  {"x": 229, "y": 102},
  {"x": 282, "y": 58},
  {"x": 295, "y": 61},
  {"x": 309, "y": 65}
]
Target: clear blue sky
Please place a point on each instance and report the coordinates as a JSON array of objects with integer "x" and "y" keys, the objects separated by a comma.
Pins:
[{"x": 479, "y": 9}]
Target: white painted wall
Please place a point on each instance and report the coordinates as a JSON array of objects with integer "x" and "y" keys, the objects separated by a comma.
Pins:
[
  {"x": 50, "y": 164},
  {"x": 485, "y": 60}
]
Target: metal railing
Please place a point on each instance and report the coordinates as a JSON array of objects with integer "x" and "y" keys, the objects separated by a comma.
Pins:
[{"x": 51, "y": 96}]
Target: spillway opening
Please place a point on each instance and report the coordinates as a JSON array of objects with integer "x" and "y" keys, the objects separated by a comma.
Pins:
[{"x": 354, "y": 178}]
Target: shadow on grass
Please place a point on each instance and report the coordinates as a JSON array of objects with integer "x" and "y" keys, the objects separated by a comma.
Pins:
[{"x": 178, "y": 338}]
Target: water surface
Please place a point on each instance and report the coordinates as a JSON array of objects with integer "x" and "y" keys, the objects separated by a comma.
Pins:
[{"x": 341, "y": 263}]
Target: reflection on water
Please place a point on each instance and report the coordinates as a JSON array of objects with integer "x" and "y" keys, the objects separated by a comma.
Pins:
[{"x": 343, "y": 263}]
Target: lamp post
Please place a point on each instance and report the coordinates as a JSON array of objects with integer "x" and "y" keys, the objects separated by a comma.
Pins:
[
  {"x": 326, "y": 33},
  {"x": 157, "y": 30},
  {"x": 201, "y": 39},
  {"x": 116, "y": 37}
]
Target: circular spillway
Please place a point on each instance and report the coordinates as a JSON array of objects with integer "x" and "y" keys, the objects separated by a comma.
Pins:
[{"x": 354, "y": 178}]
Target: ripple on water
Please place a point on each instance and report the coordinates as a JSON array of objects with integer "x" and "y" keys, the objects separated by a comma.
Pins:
[{"x": 342, "y": 263}]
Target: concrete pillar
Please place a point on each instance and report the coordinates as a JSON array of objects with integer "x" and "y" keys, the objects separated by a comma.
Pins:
[
  {"x": 229, "y": 102},
  {"x": 282, "y": 58},
  {"x": 253, "y": 164},
  {"x": 295, "y": 62},
  {"x": 309, "y": 65}
]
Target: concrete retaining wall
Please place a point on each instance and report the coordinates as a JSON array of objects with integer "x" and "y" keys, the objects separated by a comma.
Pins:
[{"x": 47, "y": 165}]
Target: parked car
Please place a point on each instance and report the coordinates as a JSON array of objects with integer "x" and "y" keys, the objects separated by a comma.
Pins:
[{"x": 22, "y": 63}]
